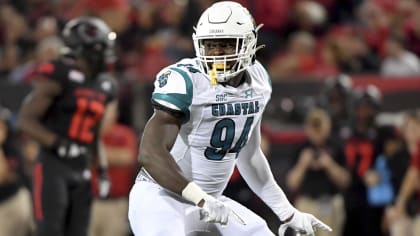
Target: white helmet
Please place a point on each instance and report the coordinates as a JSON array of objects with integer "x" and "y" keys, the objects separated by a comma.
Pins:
[{"x": 226, "y": 20}]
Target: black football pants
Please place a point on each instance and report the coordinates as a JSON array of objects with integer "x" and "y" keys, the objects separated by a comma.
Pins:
[{"x": 62, "y": 197}]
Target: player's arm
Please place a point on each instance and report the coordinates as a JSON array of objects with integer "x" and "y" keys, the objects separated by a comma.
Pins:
[
  {"x": 158, "y": 138},
  {"x": 254, "y": 168},
  {"x": 107, "y": 120},
  {"x": 104, "y": 184},
  {"x": 35, "y": 107},
  {"x": 172, "y": 98}
]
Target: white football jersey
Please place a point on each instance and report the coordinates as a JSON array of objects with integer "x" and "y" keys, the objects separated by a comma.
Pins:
[{"x": 218, "y": 119}]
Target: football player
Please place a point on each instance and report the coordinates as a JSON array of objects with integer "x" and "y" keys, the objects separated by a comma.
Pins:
[
  {"x": 65, "y": 111},
  {"x": 207, "y": 116}
]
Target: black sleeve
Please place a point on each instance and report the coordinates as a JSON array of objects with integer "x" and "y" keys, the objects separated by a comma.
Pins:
[
  {"x": 53, "y": 70},
  {"x": 112, "y": 91},
  {"x": 178, "y": 114}
]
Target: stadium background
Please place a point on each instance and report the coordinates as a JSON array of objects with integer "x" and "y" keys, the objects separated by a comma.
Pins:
[{"x": 306, "y": 41}]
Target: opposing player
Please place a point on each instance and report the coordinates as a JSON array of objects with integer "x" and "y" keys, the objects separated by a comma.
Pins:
[
  {"x": 207, "y": 119},
  {"x": 64, "y": 113}
]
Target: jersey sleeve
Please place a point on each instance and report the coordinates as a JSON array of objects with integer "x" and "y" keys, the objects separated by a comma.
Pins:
[
  {"x": 113, "y": 93},
  {"x": 173, "y": 90},
  {"x": 109, "y": 86},
  {"x": 52, "y": 70}
]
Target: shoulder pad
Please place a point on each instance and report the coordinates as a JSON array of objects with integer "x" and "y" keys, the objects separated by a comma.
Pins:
[
  {"x": 173, "y": 89},
  {"x": 52, "y": 70}
]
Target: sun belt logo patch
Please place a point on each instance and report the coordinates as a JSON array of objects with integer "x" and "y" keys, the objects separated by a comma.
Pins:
[{"x": 163, "y": 78}]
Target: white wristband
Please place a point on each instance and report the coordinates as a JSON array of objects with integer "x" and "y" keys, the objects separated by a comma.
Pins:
[{"x": 192, "y": 192}]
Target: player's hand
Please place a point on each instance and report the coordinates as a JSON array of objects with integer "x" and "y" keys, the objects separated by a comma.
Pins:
[
  {"x": 104, "y": 184},
  {"x": 303, "y": 223},
  {"x": 65, "y": 148},
  {"x": 214, "y": 211}
]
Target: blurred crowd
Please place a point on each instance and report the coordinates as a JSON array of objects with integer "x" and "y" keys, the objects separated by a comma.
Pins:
[
  {"x": 18, "y": 171},
  {"x": 352, "y": 171},
  {"x": 348, "y": 170},
  {"x": 314, "y": 38}
]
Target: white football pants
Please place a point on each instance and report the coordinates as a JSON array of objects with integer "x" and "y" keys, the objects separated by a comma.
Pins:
[{"x": 156, "y": 212}]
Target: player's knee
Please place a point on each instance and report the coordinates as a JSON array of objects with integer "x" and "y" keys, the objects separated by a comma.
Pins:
[
  {"x": 155, "y": 231},
  {"x": 260, "y": 228}
]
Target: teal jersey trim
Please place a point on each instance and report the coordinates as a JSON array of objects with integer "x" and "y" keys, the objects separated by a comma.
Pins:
[
  {"x": 188, "y": 83},
  {"x": 182, "y": 101}
]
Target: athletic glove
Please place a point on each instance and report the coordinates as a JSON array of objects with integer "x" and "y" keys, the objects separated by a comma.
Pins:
[
  {"x": 303, "y": 223},
  {"x": 214, "y": 211},
  {"x": 104, "y": 184},
  {"x": 67, "y": 149}
]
